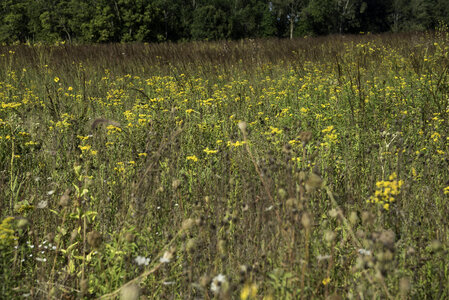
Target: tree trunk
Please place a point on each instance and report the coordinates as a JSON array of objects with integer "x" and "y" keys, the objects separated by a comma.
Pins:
[{"x": 292, "y": 23}]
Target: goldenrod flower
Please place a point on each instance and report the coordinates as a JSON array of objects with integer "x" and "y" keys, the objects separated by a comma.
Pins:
[
  {"x": 236, "y": 144},
  {"x": 192, "y": 158},
  {"x": 446, "y": 190},
  {"x": 84, "y": 148},
  {"x": 249, "y": 291},
  {"x": 328, "y": 129},
  {"x": 386, "y": 191},
  {"x": 208, "y": 151}
]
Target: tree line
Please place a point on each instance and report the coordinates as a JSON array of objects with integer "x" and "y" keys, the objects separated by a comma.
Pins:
[{"x": 93, "y": 21}]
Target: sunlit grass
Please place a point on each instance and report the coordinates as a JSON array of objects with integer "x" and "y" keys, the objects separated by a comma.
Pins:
[{"x": 256, "y": 169}]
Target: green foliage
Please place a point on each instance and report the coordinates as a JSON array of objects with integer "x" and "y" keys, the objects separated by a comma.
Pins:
[
  {"x": 210, "y": 22},
  {"x": 13, "y": 20},
  {"x": 87, "y": 21}
]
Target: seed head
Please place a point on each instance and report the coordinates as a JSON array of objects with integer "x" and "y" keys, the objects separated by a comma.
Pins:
[
  {"x": 333, "y": 213},
  {"x": 22, "y": 223},
  {"x": 221, "y": 247},
  {"x": 130, "y": 292},
  {"x": 191, "y": 245},
  {"x": 436, "y": 245},
  {"x": 188, "y": 224},
  {"x": 404, "y": 285},
  {"x": 176, "y": 183},
  {"x": 313, "y": 182},
  {"x": 367, "y": 218},
  {"x": 84, "y": 286},
  {"x": 306, "y": 220},
  {"x": 65, "y": 199},
  {"x": 305, "y": 137},
  {"x": 387, "y": 238},
  {"x": 353, "y": 218},
  {"x": 130, "y": 237},
  {"x": 94, "y": 239},
  {"x": 329, "y": 236},
  {"x": 282, "y": 193},
  {"x": 242, "y": 126},
  {"x": 204, "y": 281}
]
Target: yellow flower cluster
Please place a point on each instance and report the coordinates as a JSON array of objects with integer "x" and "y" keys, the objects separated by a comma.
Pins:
[
  {"x": 236, "y": 144},
  {"x": 7, "y": 237},
  {"x": 326, "y": 281},
  {"x": 209, "y": 151},
  {"x": 192, "y": 158},
  {"x": 386, "y": 191},
  {"x": 113, "y": 129},
  {"x": 249, "y": 291},
  {"x": 330, "y": 136},
  {"x": 63, "y": 124},
  {"x": 446, "y": 190}
]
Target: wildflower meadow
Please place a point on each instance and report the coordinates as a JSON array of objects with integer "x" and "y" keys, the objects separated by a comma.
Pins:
[{"x": 311, "y": 168}]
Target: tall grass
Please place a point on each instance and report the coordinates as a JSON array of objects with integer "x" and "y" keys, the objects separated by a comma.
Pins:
[{"x": 258, "y": 169}]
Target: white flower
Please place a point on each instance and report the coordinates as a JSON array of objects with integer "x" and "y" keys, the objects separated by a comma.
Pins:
[
  {"x": 42, "y": 204},
  {"x": 141, "y": 260},
  {"x": 269, "y": 208},
  {"x": 166, "y": 257},
  {"x": 49, "y": 193},
  {"x": 364, "y": 252},
  {"x": 323, "y": 257},
  {"x": 217, "y": 283}
]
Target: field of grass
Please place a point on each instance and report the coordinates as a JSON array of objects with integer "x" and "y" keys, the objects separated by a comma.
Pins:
[{"x": 315, "y": 168}]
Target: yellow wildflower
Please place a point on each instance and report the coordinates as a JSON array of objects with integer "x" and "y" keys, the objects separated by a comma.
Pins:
[
  {"x": 208, "y": 151},
  {"x": 386, "y": 191},
  {"x": 446, "y": 190},
  {"x": 192, "y": 158},
  {"x": 249, "y": 291},
  {"x": 84, "y": 148},
  {"x": 328, "y": 129},
  {"x": 236, "y": 144}
]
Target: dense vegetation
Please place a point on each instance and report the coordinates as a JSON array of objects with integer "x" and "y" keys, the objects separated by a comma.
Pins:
[
  {"x": 87, "y": 21},
  {"x": 260, "y": 169}
]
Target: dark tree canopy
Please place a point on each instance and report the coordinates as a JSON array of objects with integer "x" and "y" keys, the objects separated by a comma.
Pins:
[{"x": 91, "y": 21}]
